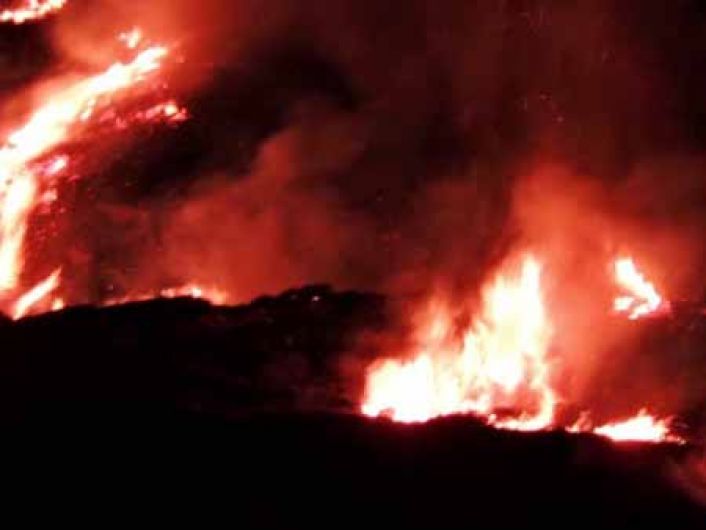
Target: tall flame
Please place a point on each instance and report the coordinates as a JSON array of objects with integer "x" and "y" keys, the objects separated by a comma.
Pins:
[
  {"x": 641, "y": 297},
  {"x": 24, "y": 181},
  {"x": 500, "y": 362},
  {"x": 31, "y": 10}
]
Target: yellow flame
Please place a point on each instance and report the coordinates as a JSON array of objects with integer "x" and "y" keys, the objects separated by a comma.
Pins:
[
  {"x": 643, "y": 427},
  {"x": 211, "y": 294},
  {"x": 641, "y": 297},
  {"x": 50, "y": 125},
  {"x": 31, "y": 10},
  {"x": 37, "y": 294},
  {"x": 499, "y": 363}
]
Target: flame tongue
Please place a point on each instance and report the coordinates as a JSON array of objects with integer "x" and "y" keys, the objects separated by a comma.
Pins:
[
  {"x": 641, "y": 298},
  {"x": 643, "y": 427},
  {"x": 37, "y": 294},
  {"x": 23, "y": 182},
  {"x": 31, "y": 10},
  {"x": 500, "y": 362}
]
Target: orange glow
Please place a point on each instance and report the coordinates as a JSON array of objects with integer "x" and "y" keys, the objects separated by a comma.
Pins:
[
  {"x": 58, "y": 304},
  {"x": 498, "y": 363},
  {"x": 131, "y": 38},
  {"x": 169, "y": 111},
  {"x": 640, "y": 298},
  {"x": 25, "y": 182},
  {"x": 31, "y": 10},
  {"x": 211, "y": 294},
  {"x": 36, "y": 295},
  {"x": 643, "y": 427}
]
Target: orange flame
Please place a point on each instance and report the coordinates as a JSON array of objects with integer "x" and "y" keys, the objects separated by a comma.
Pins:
[
  {"x": 642, "y": 298},
  {"x": 211, "y": 294},
  {"x": 131, "y": 38},
  {"x": 31, "y": 10},
  {"x": 24, "y": 183},
  {"x": 642, "y": 427},
  {"x": 36, "y": 295},
  {"x": 499, "y": 363}
]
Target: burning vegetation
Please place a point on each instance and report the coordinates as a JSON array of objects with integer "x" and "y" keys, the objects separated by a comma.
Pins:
[
  {"x": 30, "y": 10},
  {"x": 531, "y": 261},
  {"x": 501, "y": 361}
]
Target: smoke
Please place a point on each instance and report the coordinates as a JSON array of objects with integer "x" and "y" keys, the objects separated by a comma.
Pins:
[
  {"x": 382, "y": 146},
  {"x": 579, "y": 225},
  {"x": 409, "y": 146},
  {"x": 280, "y": 226},
  {"x": 410, "y": 153}
]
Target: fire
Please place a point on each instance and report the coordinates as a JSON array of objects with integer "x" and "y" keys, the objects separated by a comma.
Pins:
[
  {"x": 169, "y": 111},
  {"x": 26, "y": 180},
  {"x": 31, "y": 10},
  {"x": 131, "y": 38},
  {"x": 37, "y": 294},
  {"x": 499, "y": 363},
  {"x": 642, "y": 298},
  {"x": 642, "y": 427},
  {"x": 211, "y": 294}
]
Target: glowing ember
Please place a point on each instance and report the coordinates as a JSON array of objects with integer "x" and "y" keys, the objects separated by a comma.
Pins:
[
  {"x": 131, "y": 38},
  {"x": 211, "y": 294},
  {"x": 499, "y": 362},
  {"x": 169, "y": 111},
  {"x": 25, "y": 183},
  {"x": 641, "y": 428},
  {"x": 641, "y": 297},
  {"x": 31, "y": 10},
  {"x": 215, "y": 296},
  {"x": 36, "y": 295}
]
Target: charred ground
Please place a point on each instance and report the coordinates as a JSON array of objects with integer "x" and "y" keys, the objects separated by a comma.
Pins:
[{"x": 255, "y": 398}]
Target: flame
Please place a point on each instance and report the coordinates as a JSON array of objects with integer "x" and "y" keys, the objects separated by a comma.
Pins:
[
  {"x": 169, "y": 111},
  {"x": 500, "y": 362},
  {"x": 36, "y": 295},
  {"x": 643, "y": 427},
  {"x": 211, "y": 294},
  {"x": 642, "y": 298},
  {"x": 31, "y": 10},
  {"x": 131, "y": 38},
  {"x": 25, "y": 182}
]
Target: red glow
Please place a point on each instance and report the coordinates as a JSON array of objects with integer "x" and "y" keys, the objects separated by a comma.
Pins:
[
  {"x": 25, "y": 184},
  {"x": 640, "y": 298},
  {"x": 211, "y": 294},
  {"x": 31, "y": 10},
  {"x": 131, "y": 38},
  {"x": 643, "y": 427},
  {"x": 37, "y": 295},
  {"x": 499, "y": 362}
]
